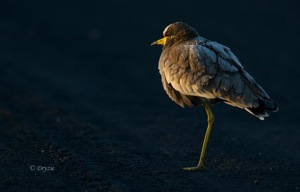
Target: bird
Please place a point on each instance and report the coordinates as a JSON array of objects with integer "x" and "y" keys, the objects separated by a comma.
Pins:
[{"x": 196, "y": 71}]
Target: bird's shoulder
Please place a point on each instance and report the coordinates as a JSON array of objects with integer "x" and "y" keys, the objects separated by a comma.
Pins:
[
  {"x": 205, "y": 68},
  {"x": 214, "y": 53},
  {"x": 201, "y": 53}
]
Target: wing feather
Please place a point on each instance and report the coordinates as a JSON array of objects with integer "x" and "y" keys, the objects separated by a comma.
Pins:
[{"x": 208, "y": 70}]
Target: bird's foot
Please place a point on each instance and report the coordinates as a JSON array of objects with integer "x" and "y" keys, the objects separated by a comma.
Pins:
[{"x": 198, "y": 168}]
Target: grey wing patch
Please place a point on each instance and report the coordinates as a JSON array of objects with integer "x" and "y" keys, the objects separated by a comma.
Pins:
[
  {"x": 230, "y": 81},
  {"x": 249, "y": 99},
  {"x": 224, "y": 52},
  {"x": 248, "y": 77},
  {"x": 218, "y": 48},
  {"x": 259, "y": 90},
  {"x": 238, "y": 83},
  {"x": 225, "y": 82},
  {"x": 226, "y": 66},
  {"x": 208, "y": 54},
  {"x": 208, "y": 59},
  {"x": 233, "y": 57}
]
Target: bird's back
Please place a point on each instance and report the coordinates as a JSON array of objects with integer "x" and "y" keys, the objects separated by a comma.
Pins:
[{"x": 200, "y": 69}]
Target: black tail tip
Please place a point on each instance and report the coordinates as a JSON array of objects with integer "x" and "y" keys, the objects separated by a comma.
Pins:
[
  {"x": 264, "y": 106},
  {"x": 269, "y": 105}
]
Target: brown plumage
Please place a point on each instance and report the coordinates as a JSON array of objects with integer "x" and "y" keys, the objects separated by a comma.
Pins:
[{"x": 196, "y": 71}]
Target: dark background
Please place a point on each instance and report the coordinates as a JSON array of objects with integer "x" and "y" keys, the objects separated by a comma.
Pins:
[{"x": 80, "y": 92}]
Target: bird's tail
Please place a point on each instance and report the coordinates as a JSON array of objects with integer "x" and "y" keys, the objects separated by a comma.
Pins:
[{"x": 265, "y": 105}]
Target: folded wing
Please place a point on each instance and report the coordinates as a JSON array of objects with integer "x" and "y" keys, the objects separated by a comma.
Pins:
[{"x": 208, "y": 70}]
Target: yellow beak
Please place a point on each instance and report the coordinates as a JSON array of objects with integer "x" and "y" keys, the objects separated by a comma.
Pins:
[{"x": 161, "y": 41}]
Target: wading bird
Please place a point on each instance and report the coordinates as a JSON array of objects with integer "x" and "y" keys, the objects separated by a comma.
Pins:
[{"x": 199, "y": 72}]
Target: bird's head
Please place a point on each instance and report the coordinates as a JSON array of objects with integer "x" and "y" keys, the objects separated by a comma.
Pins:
[{"x": 176, "y": 33}]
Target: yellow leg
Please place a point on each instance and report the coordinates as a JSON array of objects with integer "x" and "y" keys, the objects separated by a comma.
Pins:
[{"x": 210, "y": 121}]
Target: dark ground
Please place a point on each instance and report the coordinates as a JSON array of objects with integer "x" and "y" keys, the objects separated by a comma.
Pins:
[{"x": 80, "y": 95}]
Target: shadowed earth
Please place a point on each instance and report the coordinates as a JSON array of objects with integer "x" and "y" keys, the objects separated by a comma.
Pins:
[{"x": 82, "y": 107}]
